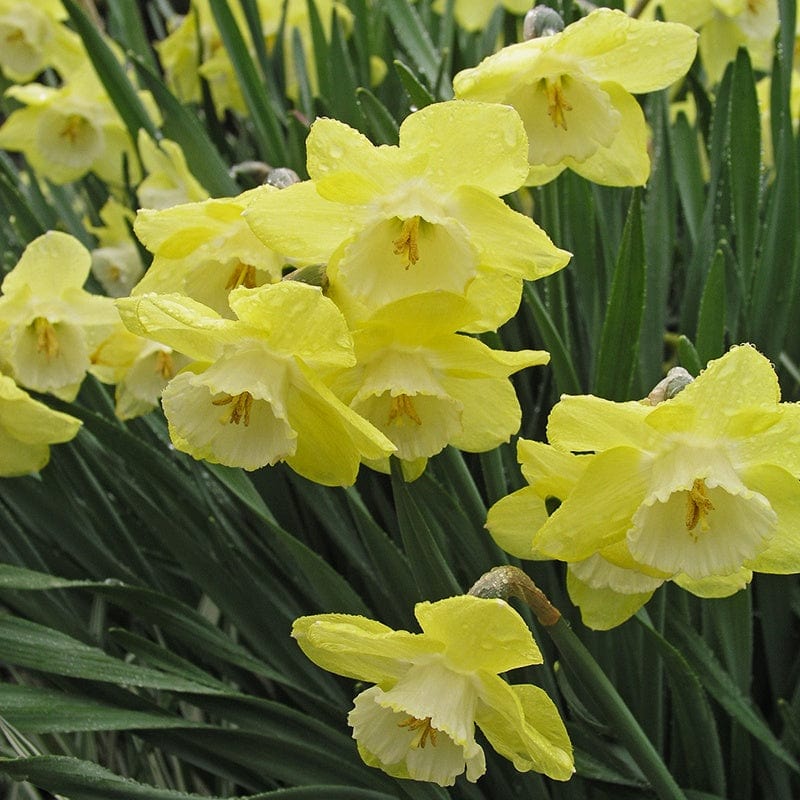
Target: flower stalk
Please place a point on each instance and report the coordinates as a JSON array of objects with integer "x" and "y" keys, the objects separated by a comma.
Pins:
[{"x": 507, "y": 581}]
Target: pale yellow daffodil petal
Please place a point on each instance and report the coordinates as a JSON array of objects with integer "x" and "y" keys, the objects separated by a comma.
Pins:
[
  {"x": 715, "y": 586},
  {"x": 513, "y": 520},
  {"x": 603, "y": 608},
  {"x": 50, "y": 264}
]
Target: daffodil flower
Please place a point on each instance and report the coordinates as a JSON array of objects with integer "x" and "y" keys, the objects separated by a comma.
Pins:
[
  {"x": 574, "y": 91},
  {"x": 168, "y": 181},
  {"x": 116, "y": 262},
  {"x": 32, "y": 38},
  {"x": 425, "y": 386},
  {"x": 725, "y": 26},
  {"x": 256, "y": 392},
  {"x": 68, "y": 131},
  {"x": 701, "y": 488},
  {"x": 391, "y": 222},
  {"x": 473, "y": 15},
  {"x": 138, "y": 367},
  {"x": 27, "y": 429},
  {"x": 205, "y": 250},
  {"x": 432, "y": 688},
  {"x": 49, "y": 324}
]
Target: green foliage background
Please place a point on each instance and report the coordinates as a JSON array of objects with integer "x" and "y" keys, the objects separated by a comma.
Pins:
[{"x": 147, "y": 598}]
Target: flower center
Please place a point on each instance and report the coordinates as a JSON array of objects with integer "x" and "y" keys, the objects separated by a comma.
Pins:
[
  {"x": 242, "y": 275},
  {"x": 46, "y": 339},
  {"x": 402, "y": 406},
  {"x": 164, "y": 365},
  {"x": 73, "y": 128},
  {"x": 407, "y": 242},
  {"x": 239, "y": 408},
  {"x": 557, "y": 104},
  {"x": 425, "y": 731},
  {"x": 698, "y": 506}
]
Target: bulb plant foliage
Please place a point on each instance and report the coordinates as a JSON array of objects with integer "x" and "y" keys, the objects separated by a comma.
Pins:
[{"x": 284, "y": 288}]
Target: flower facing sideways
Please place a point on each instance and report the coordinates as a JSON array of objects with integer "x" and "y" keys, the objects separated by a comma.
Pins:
[
  {"x": 700, "y": 489},
  {"x": 432, "y": 688},
  {"x": 574, "y": 91},
  {"x": 27, "y": 429},
  {"x": 49, "y": 325},
  {"x": 256, "y": 391}
]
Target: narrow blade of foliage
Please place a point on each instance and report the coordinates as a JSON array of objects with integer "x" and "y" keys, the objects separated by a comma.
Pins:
[
  {"x": 417, "y": 93},
  {"x": 383, "y": 127},
  {"x": 710, "y": 340},
  {"x": 269, "y": 136},
  {"x": 415, "y": 39},
  {"x": 723, "y": 688},
  {"x": 617, "y": 356}
]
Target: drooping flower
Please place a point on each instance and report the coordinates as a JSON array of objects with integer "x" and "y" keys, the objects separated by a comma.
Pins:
[
  {"x": 49, "y": 325},
  {"x": 725, "y": 26},
  {"x": 432, "y": 688},
  {"x": 574, "y": 91},
  {"x": 168, "y": 181},
  {"x": 205, "y": 250},
  {"x": 700, "y": 489},
  {"x": 27, "y": 429},
  {"x": 68, "y": 131},
  {"x": 606, "y": 593},
  {"x": 256, "y": 391},
  {"x": 472, "y": 15},
  {"x": 425, "y": 386},
  {"x": 32, "y": 38},
  {"x": 394, "y": 221},
  {"x": 139, "y": 368},
  {"x": 116, "y": 261}
]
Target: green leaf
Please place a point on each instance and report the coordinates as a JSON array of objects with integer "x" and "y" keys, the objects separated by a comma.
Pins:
[
  {"x": 417, "y": 93},
  {"x": 619, "y": 343},
  {"x": 268, "y": 130},
  {"x": 34, "y": 646},
  {"x": 414, "y": 38},
  {"x": 688, "y": 357},
  {"x": 382, "y": 125},
  {"x": 723, "y": 688},
  {"x": 710, "y": 340},
  {"x": 34, "y": 709},
  {"x": 432, "y": 573},
  {"x": 745, "y": 160}
]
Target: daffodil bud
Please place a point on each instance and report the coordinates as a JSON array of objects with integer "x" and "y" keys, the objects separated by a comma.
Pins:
[{"x": 541, "y": 21}]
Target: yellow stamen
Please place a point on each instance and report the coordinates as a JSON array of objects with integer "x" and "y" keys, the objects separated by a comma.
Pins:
[
  {"x": 557, "y": 104},
  {"x": 239, "y": 410},
  {"x": 16, "y": 35},
  {"x": 402, "y": 406},
  {"x": 46, "y": 339},
  {"x": 242, "y": 275},
  {"x": 407, "y": 242},
  {"x": 72, "y": 128},
  {"x": 426, "y": 731},
  {"x": 164, "y": 365},
  {"x": 698, "y": 506}
]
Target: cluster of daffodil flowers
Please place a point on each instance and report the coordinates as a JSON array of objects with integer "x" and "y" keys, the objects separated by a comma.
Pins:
[{"x": 336, "y": 321}]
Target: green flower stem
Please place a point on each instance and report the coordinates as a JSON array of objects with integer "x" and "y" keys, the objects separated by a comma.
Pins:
[{"x": 505, "y": 582}]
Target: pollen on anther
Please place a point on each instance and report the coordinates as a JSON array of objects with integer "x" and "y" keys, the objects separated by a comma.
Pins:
[
  {"x": 239, "y": 408},
  {"x": 698, "y": 506},
  {"x": 407, "y": 243}
]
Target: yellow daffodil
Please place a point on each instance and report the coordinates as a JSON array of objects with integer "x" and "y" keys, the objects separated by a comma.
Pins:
[
  {"x": 473, "y": 15},
  {"x": 432, "y": 688},
  {"x": 32, "y": 38},
  {"x": 574, "y": 91},
  {"x": 606, "y": 593},
  {"x": 140, "y": 369},
  {"x": 49, "y": 325},
  {"x": 116, "y": 261},
  {"x": 725, "y": 26},
  {"x": 194, "y": 49},
  {"x": 419, "y": 217},
  {"x": 205, "y": 250},
  {"x": 425, "y": 386},
  {"x": 701, "y": 488},
  {"x": 27, "y": 429},
  {"x": 68, "y": 131},
  {"x": 168, "y": 181},
  {"x": 256, "y": 391},
  {"x": 763, "y": 93}
]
